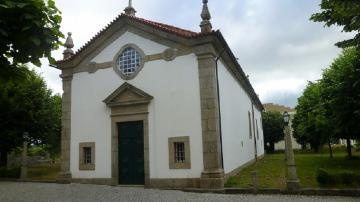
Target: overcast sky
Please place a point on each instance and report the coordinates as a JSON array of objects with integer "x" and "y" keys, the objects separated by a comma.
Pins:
[{"x": 277, "y": 45}]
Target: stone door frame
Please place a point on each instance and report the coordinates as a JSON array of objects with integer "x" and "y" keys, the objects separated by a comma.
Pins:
[
  {"x": 115, "y": 120},
  {"x": 127, "y": 104}
]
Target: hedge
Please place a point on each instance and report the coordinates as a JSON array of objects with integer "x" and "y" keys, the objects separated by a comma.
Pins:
[{"x": 324, "y": 177}]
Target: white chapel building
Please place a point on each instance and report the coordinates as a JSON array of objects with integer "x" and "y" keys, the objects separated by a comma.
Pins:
[{"x": 151, "y": 104}]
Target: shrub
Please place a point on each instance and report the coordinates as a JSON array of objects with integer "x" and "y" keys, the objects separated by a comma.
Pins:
[
  {"x": 13, "y": 172},
  {"x": 325, "y": 177},
  {"x": 37, "y": 151}
]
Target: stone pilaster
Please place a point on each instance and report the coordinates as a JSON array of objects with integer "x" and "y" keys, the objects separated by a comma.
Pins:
[
  {"x": 212, "y": 176},
  {"x": 65, "y": 174}
]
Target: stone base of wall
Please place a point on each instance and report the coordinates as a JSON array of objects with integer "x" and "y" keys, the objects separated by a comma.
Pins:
[
  {"x": 174, "y": 183},
  {"x": 153, "y": 183},
  {"x": 238, "y": 169},
  {"x": 212, "y": 183},
  {"x": 64, "y": 178},
  {"x": 99, "y": 181}
]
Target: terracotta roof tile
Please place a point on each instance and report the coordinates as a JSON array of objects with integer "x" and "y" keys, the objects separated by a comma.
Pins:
[{"x": 160, "y": 26}]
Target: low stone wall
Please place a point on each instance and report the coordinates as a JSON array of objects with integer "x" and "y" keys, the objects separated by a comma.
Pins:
[{"x": 31, "y": 160}]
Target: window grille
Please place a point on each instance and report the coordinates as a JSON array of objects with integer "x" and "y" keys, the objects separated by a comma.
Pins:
[
  {"x": 87, "y": 155},
  {"x": 129, "y": 61},
  {"x": 179, "y": 152}
]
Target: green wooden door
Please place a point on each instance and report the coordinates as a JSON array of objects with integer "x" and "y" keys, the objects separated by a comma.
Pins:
[{"x": 131, "y": 152}]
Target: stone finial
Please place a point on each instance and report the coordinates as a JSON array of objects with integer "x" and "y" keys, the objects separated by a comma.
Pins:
[
  {"x": 69, "y": 44},
  {"x": 130, "y": 10},
  {"x": 205, "y": 16}
]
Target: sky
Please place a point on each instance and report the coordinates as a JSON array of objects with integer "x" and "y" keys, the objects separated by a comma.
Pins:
[{"x": 275, "y": 42}]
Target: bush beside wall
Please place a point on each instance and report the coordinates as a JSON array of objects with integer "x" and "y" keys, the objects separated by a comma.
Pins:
[{"x": 325, "y": 177}]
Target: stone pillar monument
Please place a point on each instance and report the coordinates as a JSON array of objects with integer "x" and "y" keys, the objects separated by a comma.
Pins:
[
  {"x": 24, "y": 160},
  {"x": 292, "y": 180}
]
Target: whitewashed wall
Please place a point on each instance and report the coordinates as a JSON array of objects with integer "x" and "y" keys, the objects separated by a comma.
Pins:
[
  {"x": 174, "y": 111},
  {"x": 235, "y": 104}
]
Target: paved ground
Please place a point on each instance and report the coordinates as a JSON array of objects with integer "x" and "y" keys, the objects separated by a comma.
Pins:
[{"x": 16, "y": 191}]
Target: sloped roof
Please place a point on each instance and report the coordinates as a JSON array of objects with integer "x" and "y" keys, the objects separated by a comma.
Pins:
[
  {"x": 183, "y": 33},
  {"x": 160, "y": 26}
]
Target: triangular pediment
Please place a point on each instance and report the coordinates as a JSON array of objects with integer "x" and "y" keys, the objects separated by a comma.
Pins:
[
  {"x": 161, "y": 33},
  {"x": 127, "y": 94}
]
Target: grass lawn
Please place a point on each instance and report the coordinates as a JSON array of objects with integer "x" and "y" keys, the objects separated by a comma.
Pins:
[
  {"x": 271, "y": 170},
  {"x": 43, "y": 172}
]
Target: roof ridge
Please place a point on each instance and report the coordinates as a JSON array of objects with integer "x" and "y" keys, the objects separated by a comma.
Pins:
[{"x": 162, "y": 24}]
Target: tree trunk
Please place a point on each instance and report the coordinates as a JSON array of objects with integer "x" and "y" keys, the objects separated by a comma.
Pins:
[
  {"x": 3, "y": 158},
  {"x": 348, "y": 147},
  {"x": 272, "y": 147},
  {"x": 315, "y": 147},
  {"x": 330, "y": 149}
]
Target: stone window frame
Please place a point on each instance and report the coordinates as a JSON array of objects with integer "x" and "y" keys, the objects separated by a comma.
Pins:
[
  {"x": 142, "y": 62},
  {"x": 82, "y": 165},
  {"x": 181, "y": 165}
]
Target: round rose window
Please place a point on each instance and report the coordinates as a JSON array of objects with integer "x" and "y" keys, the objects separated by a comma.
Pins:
[{"x": 128, "y": 61}]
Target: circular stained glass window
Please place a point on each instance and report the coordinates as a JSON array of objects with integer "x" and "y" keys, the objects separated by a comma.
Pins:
[{"x": 128, "y": 61}]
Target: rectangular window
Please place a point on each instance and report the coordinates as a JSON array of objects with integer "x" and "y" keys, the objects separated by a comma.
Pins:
[
  {"x": 87, "y": 155},
  {"x": 257, "y": 130},
  {"x": 250, "y": 131},
  {"x": 179, "y": 152}
]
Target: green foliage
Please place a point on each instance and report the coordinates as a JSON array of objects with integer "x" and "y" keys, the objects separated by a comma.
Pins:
[
  {"x": 323, "y": 177},
  {"x": 341, "y": 91},
  {"x": 37, "y": 150},
  {"x": 273, "y": 125},
  {"x": 9, "y": 172},
  {"x": 330, "y": 108},
  {"x": 311, "y": 124},
  {"x": 29, "y": 30},
  {"x": 271, "y": 170},
  {"x": 342, "y": 177},
  {"x": 231, "y": 182},
  {"x": 343, "y": 13},
  {"x": 28, "y": 106}
]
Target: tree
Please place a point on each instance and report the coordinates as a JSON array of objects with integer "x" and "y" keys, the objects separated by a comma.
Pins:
[
  {"x": 29, "y": 30},
  {"x": 273, "y": 125},
  {"x": 311, "y": 124},
  {"x": 341, "y": 90},
  {"x": 53, "y": 138},
  {"x": 344, "y": 13},
  {"x": 27, "y": 106}
]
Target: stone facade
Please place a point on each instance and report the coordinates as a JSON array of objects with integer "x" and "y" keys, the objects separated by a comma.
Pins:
[
  {"x": 129, "y": 103},
  {"x": 213, "y": 174},
  {"x": 65, "y": 174}
]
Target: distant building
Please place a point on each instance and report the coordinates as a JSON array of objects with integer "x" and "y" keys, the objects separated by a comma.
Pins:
[{"x": 281, "y": 108}]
